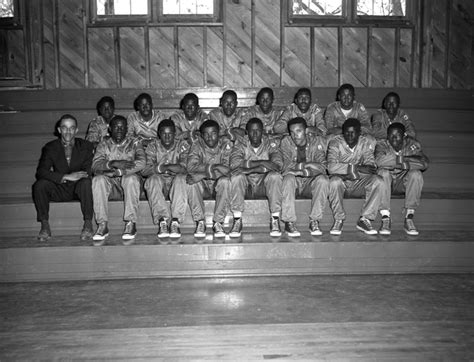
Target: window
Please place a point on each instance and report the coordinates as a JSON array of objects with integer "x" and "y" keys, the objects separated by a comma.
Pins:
[
  {"x": 155, "y": 10},
  {"x": 348, "y": 11},
  {"x": 7, "y": 9}
]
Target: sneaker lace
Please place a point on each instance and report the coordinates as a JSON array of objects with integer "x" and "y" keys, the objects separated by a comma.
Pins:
[
  {"x": 367, "y": 224},
  {"x": 218, "y": 227},
  {"x": 200, "y": 227},
  {"x": 174, "y": 227},
  {"x": 163, "y": 226},
  {"x": 314, "y": 225},
  {"x": 128, "y": 227},
  {"x": 410, "y": 224},
  {"x": 385, "y": 223},
  {"x": 291, "y": 227},
  {"x": 237, "y": 225},
  {"x": 337, "y": 225},
  {"x": 275, "y": 224}
]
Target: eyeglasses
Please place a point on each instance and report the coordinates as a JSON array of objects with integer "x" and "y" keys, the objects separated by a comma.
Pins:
[{"x": 68, "y": 129}]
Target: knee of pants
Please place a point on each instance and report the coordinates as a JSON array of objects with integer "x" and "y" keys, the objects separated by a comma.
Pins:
[
  {"x": 180, "y": 179},
  {"x": 99, "y": 180},
  {"x": 289, "y": 180},
  {"x": 41, "y": 185},
  {"x": 377, "y": 181},
  {"x": 384, "y": 173},
  {"x": 130, "y": 180},
  {"x": 415, "y": 175},
  {"x": 322, "y": 180},
  {"x": 153, "y": 181},
  {"x": 274, "y": 176},
  {"x": 335, "y": 183},
  {"x": 237, "y": 179},
  {"x": 223, "y": 184},
  {"x": 84, "y": 183}
]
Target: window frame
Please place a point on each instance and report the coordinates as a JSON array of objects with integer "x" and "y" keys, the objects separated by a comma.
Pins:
[{"x": 349, "y": 16}]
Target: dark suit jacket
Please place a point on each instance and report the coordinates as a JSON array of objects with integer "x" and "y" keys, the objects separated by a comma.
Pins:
[{"x": 53, "y": 164}]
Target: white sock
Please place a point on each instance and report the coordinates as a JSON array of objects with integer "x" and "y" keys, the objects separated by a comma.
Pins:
[
  {"x": 385, "y": 213},
  {"x": 410, "y": 211},
  {"x": 237, "y": 215},
  {"x": 275, "y": 214}
]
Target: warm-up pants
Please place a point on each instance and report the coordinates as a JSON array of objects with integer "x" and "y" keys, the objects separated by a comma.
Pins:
[
  {"x": 207, "y": 188},
  {"x": 410, "y": 182}
]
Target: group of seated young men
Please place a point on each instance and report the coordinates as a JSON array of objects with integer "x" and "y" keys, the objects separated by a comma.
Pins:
[{"x": 230, "y": 154}]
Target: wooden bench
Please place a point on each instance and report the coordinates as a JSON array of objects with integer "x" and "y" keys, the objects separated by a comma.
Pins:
[{"x": 442, "y": 118}]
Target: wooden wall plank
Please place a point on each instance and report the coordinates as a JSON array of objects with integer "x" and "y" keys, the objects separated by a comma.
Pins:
[
  {"x": 71, "y": 47},
  {"x": 16, "y": 54},
  {"x": 132, "y": 52},
  {"x": 439, "y": 38},
  {"x": 190, "y": 60},
  {"x": 162, "y": 63},
  {"x": 461, "y": 67},
  {"x": 238, "y": 65},
  {"x": 48, "y": 41},
  {"x": 267, "y": 43},
  {"x": 325, "y": 57},
  {"x": 405, "y": 58},
  {"x": 3, "y": 53},
  {"x": 381, "y": 57},
  {"x": 215, "y": 59},
  {"x": 354, "y": 56},
  {"x": 36, "y": 40},
  {"x": 296, "y": 57},
  {"x": 101, "y": 58}
]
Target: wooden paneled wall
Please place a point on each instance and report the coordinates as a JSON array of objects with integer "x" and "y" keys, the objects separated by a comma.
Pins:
[{"x": 56, "y": 46}]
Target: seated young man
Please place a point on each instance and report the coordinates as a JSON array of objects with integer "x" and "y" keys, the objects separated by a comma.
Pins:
[
  {"x": 64, "y": 174},
  {"x": 304, "y": 174},
  {"x": 166, "y": 176},
  {"x": 117, "y": 161},
  {"x": 209, "y": 174},
  {"x": 188, "y": 118},
  {"x": 255, "y": 163},
  {"x": 302, "y": 107},
  {"x": 344, "y": 108},
  {"x": 143, "y": 123},
  {"x": 228, "y": 116},
  {"x": 401, "y": 162},
  {"x": 351, "y": 165},
  {"x": 99, "y": 127},
  {"x": 389, "y": 114},
  {"x": 263, "y": 110}
]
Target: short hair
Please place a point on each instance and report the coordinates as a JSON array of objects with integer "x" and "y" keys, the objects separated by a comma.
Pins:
[
  {"x": 391, "y": 94},
  {"x": 167, "y": 122},
  {"x": 345, "y": 86},
  {"x": 397, "y": 125},
  {"x": 264, "y": 90},
  {"x": 117, "y": 118},
  {"x": 253, "y": 120},
  {"x": 302, "y": 90},
  {"x": 105, "y": 99},
  {"x": 66, "y": 116},
  {"x": 227, "y": 93},
  {"x": 297, "y": 120},
  {"x": 207, "y": 124},
  {"x": 351, "y": 122},
  {"x": 139, "y": 98},
  {"x": 187, "y": 97}
]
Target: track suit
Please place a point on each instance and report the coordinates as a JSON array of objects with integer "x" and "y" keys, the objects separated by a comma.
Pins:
[
  {"x": 159, "y": 184},
  {"x": 268, "y": 119},
  {"x": 227, "y": 123},
  {"x": 396, "y": 179},
  {"x": 381, "y": 121},
  {"x": 146, "y": 131},
  {"x": 129, "y": 182},
  {"x": 314, "y": 183},
  {"x": 341, "y": 161},
  {"x": 334, "y": 117},
  {"x": 98, "y": 129},
  {"x": 200, "y": 160},
  {"x": 313, "y": 117},
  {"x": 185, "y": 127}
]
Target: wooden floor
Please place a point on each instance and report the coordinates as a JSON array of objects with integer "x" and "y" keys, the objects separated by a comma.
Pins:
[{"x": 376, "y": 317}]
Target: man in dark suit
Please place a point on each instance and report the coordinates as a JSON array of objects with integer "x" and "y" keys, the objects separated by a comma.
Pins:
[{"x": 64, "y": 174}]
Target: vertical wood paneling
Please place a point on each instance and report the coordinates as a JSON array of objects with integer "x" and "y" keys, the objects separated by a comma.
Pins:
[
  {"x": 191, "y": 63},
  {"x": 296, "y": 57},
  {"x": 461, "y": 69},
  {"x": 238, "y": 44},
  {"x": 405, "y": 58},
  {"x": 132, "y": 62},
  {"x": 48, "y": 44},
  {"x": 71, "y": 47},
  {"x": 325, "y": 57},
  {"x": 16, "y": 54},
  {"x": 215, "y": 61},
  {"x": 267, "y": 43},
  {"x": 382, "y": 57},
  {"x": 101, "y": 58},
  {"x": 438, "y": 36},
  {"x": 3, "y": 53},
  {"x": 36, "y": 37},
  {"x": 162, "y": 64},
  {"x": 354, "y": 56}
]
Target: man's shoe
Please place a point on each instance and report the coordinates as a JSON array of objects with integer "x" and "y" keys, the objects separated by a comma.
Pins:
[
  {"x": 385, "y": 226},
  {"x": 291, "y": 230},
  {"x": 100, "y": 235},
  {"x": 337, "y": 227},
  {"x": 236, "y": 229},
  {"x": 45, "y": 232},
  {"x": 275, "y": 229},
  {"x": 163, "y": 230},
  {"x": 86, "y": 234},
  {"x": 314, "y": 228},
  {"x": 365, "y": 225},
  {"x": 409, "y": 226},
  {"x": 200, "y": 231},
  {"x": 218, "y": 230},
  {"x": 175, "y": 231},
  {"x": 130, "y": 231}
]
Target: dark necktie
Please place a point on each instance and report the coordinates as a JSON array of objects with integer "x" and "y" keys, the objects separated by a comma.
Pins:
[{"x": 68, "y": 152}]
